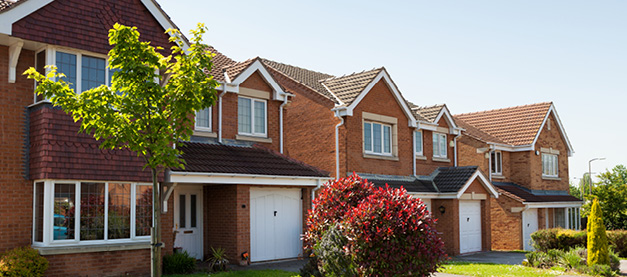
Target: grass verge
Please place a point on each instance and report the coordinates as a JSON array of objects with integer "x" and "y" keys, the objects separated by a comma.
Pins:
[
  {"x": 475, "y": 269},
  {"x": 243, "y": 273}
]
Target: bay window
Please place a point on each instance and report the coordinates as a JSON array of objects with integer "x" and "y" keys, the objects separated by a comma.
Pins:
[
  {"x": 74, "y": 212},
  {"x": 251, "y": 116},
  {"x": 496, "y": 162},
  {"x": 377, "y": 138},
  {"x": 549, "y": 165},
  {"x": 439, "y": 145}
]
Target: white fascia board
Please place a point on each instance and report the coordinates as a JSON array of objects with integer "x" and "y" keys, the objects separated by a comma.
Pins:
[
  {"x": 424, "y": 125},
  {"x": 244, "y": 179},
  {"x": 342, "y": 111},
  {"x": 279, "y": 94},
  {"x": 510, "y": 148},
  {"x": 21, "y": 10},
  {"x": 447, "y": 115},
  {"x": 229, "y": 87},
  {"x": 559, "y": 125},
  {"x": 163, "y": 19},
  {"x": 397, "y": 95},
  {"x": 433, "y": 195},
  {"x": 535, "y": 205},
  {"x": 484, "y": 181}
]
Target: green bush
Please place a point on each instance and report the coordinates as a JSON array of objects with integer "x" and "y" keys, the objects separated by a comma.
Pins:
[
  {"x": 573, "y": 260},
  {"x": 22, "y": 261},
  {"x": 564, "y": 239},
  {"x": 598, "y": 251},
  {"x": 333, "y": 259},
  {"x": 179, "y": 263},
  {"x": 618, "y": 242}
]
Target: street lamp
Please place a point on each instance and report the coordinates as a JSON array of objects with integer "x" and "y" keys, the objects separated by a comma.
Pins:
[{"x": 590, "y": 171}]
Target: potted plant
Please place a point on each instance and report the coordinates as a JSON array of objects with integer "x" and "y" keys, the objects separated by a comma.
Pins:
[{"x": 218, "y": 260}]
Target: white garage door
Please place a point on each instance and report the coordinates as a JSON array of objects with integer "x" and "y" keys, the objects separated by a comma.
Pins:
[
  {"x": 530, "y": 225},
  {"x": 275, "y": 223},
  {"x": 469, "y": 226}
]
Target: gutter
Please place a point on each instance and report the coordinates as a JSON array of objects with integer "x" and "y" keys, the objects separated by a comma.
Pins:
[
  {"x": 281, "y": 123},
  {"x": 337, "y": 145},
  {"x": 455, "y": 148},
  {"x": 220, "y": 110}
]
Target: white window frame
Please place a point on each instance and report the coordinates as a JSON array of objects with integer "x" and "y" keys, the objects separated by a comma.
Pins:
[
  {"x": 550, "y": 165},
  {"x": 48, "y": 215},
  {"x": 562, "y": 218},
  {"x": 573, "y": 215},
  {"x": 499, "y": 165},
  {"x": 204, "y": 128},
  {"x": 419, "y": 147},
  {"x": 440, "y": 136},
  {"x": 383, "y": 151},
  {"x": 252, "y": 119},
  {"x": 51, "y": 59}
]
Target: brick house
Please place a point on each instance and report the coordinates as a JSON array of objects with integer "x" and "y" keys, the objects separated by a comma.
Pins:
[
  {"x": 361, "y": 123},
  {"x": 80, "y": 205},
  {"x": 525, "y": 150}
]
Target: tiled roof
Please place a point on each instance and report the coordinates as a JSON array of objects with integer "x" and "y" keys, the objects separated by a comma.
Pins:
[
  {"x": 221, "y": 158},
  {"x": 476, "y": 133},
  {"x": 220, "y": 61},
  {"x": 521, "y": 194},
  {"x": 5, "y": 4},
  {"x": 410, "y": 183},
  {"x": 516, "y": 125},
  {"x": 348, "y": 87},
  {"x": 306, "y": 77},
  {"x": 235, "y": 69},
  {"x": 430, "y": 113},
  {"x": 452, "y": 179}
]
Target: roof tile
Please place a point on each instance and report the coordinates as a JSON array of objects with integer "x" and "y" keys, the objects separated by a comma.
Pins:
[
  {"x": 521, "y": 194},
  {"x": 452, "y": 179},
  {"x": 348, "y": 87},
  {"x": 306, "y": 77}
]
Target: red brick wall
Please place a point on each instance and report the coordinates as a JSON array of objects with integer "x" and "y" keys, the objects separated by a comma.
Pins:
[
  {"x": 550, "y": 139},
  {"x": 309, "y": 126},
  {"x": 448, "y": 223},
  {"x": 85, "y": 24},
  {"x": 256, "y": 81},
  {"x": 506, "y": 225},
  {"x": 16, "y": 191},
  {"x": 467, "y": 153},
  {"x": 115, "y": 263}
]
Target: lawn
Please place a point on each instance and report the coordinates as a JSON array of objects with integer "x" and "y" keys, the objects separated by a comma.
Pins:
[
  {"x": 244, "y": 273},
  {"x": 475, "y": 269}
]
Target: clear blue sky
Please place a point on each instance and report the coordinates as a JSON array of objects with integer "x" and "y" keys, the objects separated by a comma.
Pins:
[{"x": 471, "y": 55}]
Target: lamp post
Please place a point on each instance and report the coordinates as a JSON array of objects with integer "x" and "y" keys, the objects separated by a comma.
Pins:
[{"x": 590, "y": 171}]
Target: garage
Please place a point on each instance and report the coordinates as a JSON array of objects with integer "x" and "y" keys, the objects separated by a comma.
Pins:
[
  {"x": 469, "y": 226},
  {"x": 530, "y": 225},
  {"x": 275, "y": 223}
]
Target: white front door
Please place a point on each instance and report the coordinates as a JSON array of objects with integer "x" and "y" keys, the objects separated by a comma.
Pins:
[
  {"x": 275, "y": 223},
  {"x": 530, "y": 225},
  {"x": 188, "y": 220},
  {"x": 469, "y": 226}
]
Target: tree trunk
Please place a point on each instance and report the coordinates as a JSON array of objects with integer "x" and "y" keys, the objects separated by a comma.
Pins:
[{"x": 156, "y": 226}]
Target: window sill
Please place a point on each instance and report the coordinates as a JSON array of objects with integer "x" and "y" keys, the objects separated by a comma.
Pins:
[
  {"x": 253, "y": 138},
  {"x": 207, "y": 134},
  {"x": 443, "y": 160},
  {"x": 550, "y": 178},
  {"x": 497, "y": 176},
  {"x": 73, "y": 249},
  {"x": 421, "y": 157},
  {"x": 380, "y": 157}
]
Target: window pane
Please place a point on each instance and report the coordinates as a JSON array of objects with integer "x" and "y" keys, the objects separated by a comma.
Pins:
[
  {"x": 419, "y": 142},
  {"x": 93, "y": 72},
  {"x": 39, "y": 212},
  {"x": 202, "y": 118},
  {"x": 493, "y": 162},
  {"x": 442, "y": 145},
  {"x": 192, "y": 212},
  {"x": 560, "y": 220},
  {"x": 64, "y": 210},
  {"x": 66, "y": 64},
  {"x": 92, "y": 211},
  {"x": 119, "y": 217},
  {"x": 243, "y": 115},
  {"x": 182, "y": 211},
  {"x": 387, "y": 148},
  {"x": 376, "y": 137},
  {"x": 143, "y": 210},
  {"x": 436, "y": 145},
  {"x": 367, "y": 136},
  {"x": 260, "y": 117}
]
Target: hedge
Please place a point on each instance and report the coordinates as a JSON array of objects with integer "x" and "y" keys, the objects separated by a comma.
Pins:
[{"x": 565, "y": 239}]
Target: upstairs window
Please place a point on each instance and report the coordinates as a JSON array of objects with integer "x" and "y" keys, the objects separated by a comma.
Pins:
[
  {"x": 496, "y": 162},
  {"x": 418, "y": 143},
  {"x": 203, "y": 119},
  {"x": 549, "y": 165},
  {"x": 377, "y": 138},
  {"x": 439, "y": 145},
  {"x": 251, "y": 117}
]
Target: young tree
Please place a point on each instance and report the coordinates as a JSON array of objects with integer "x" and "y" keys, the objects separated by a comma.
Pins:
[
  {"x": 598, "y": 252},
  {"x": 148, "y": 106},
  {"x": 611, "y": 191}
]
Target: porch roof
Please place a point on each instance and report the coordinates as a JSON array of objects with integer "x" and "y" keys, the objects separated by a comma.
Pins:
[{"x": 522, "y": 194}]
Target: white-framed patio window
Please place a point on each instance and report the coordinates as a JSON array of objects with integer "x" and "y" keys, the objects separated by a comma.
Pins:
[
  {"x": 91, "y": 212},
  {"x": 574, "y": 218},
  {"x": 549, "y": 165},
  {"x": 203, "y": 120},
  {"x": 439, "y": 145},
  {"x": 252, "y": 117},
  {"x": 418, "y": 143},
  {"x": 377, "y": 138},
  {"x": 496, "y": 161}
]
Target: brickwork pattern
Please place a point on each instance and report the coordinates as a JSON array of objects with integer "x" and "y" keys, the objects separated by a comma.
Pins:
[
  {"x": 114, "y": 263},
  {"x": 506, "y": 225}
]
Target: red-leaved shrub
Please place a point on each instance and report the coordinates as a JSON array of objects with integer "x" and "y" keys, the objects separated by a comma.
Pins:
[{"x": 388, "y": 232}]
